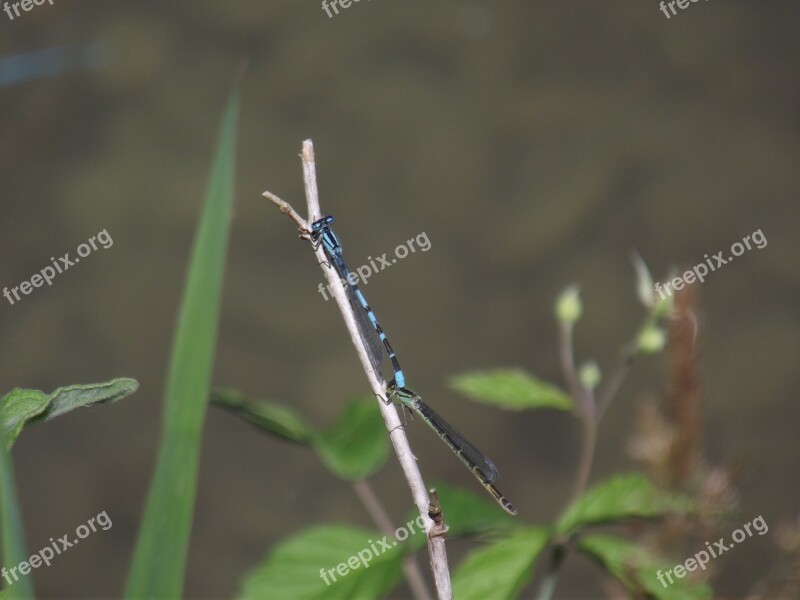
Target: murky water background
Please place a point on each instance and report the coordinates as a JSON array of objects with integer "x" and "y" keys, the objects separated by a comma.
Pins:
[{"x": 536, "y": 144}]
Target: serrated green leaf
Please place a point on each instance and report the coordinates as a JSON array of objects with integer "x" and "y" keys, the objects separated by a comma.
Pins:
[
  {"x": 17, "y": 408},
  {"x": 75, "y": 396},
  {"x": 621, "y": 497},
  {"x": 22, "y": 406},
  {"x": 357, "y": 445},
  {"x": 276, "y": 419},
  {"x": 160, "y": 555},
  {"x": 467, "y": 513},
  {"x": 511, "y": 389},
  {"x": 502, "y": 569},
  {"x": 637, "y": 570},
  {"x": 294, "y": 569},
  {"x": 11, "y": 529}
]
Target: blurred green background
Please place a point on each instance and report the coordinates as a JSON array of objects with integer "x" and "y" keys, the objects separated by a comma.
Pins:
[{"x": 536, "y": 144}]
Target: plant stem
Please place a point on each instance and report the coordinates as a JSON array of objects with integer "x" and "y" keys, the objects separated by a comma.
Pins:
[
  {"x": 397, "y": 435},
  {"x": 559, "y": 552},
  {"x": 611, "y": 389},
  {"x": 375, "y": 509},
  {"x": 587, "y": 458},
  {"x": 568, "y": 364},
  {"x": 587, "y": 412},
  {"x": 548, "y": 585}
]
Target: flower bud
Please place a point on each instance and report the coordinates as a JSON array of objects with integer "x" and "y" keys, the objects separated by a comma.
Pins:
[
  {"x": 589, "y": 375},
  {"x": 652, "y": 339},
  {"x": 568, "y": 305}
]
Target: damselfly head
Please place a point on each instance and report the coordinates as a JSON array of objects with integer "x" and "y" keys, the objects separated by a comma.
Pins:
[{"x": 318, "y": 225}]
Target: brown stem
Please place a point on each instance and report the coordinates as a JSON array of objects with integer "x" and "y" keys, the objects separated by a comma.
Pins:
[
  {"x": 408, "y": 463},
  {"x": 587, "y": 458},
  {"x": 410, "y": 566}
]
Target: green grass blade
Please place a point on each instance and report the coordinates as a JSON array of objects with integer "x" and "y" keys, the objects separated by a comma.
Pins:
[
  {"x": 11, "y": 523},
  {"x": 160, "y": 555}
]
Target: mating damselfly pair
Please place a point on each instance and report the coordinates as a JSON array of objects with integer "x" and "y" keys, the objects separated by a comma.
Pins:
[{"x": 376, "y": 342}]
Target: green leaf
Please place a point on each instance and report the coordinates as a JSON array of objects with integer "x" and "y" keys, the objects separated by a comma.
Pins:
[
  {"x": 680, "y": 589},
  {"x": 354, "y": 448},
  {"x": 467, "y": 513},
  {"x": 620, "y": 557},
  {"x": 22, "y": 406},
  {"x": 621, "y": 497},
  {"x": 76, "y": 396},
  {"x": 274, "y": 418},
  {"x": 17, "y": 408},
  {"x": 357, "y": 445},
  {"x": 511, "y": 389},
  {"x": 294, "y": 570},
  {"x": 11, "y": 530},
  {"x": 638, "y": 570},
  {"x": 160, "y": 555},
  {"x": 502, "y": 569}
]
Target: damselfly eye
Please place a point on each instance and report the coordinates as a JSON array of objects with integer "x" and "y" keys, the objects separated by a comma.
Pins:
[{"x": 317, "y": 225}]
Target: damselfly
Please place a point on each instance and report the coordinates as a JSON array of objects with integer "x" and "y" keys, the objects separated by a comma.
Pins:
[
  {"x": 476, "y": 461},
  {"x": 321, "y": 230}
]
